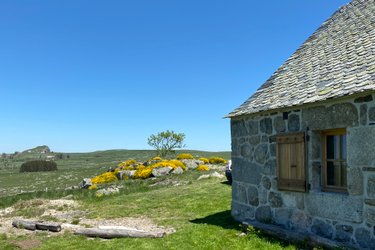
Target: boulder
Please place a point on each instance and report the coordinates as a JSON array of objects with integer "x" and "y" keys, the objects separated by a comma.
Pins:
[
  {"x": 157, "y": 172},
  {"x": 191, "y": 163},
  {"x": 107, "y": 191},
  {"x": 86, "y": 183},
  {"x": 125, "y": 174},
  {"x": 178, "y": 171}
]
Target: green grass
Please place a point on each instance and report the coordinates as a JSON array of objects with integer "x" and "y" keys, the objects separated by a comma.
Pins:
[
  {"x": 71, "y": 171},
  {"x": 198, "y": 210}
]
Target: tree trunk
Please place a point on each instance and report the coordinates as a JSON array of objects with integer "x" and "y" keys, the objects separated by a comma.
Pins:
[
  {"x": 109, "y": 233},
  {"x": 35, "y": 225},
  {"x": 29, "y": 225}
]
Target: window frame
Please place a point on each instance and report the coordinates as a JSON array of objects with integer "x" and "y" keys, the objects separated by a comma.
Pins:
[{"x": 325, "y": 186}]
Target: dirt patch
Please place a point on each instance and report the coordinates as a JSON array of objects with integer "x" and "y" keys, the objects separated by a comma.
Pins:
[
  {"x": 68, "y": 213},
  {"x": 27, "y": 244}
]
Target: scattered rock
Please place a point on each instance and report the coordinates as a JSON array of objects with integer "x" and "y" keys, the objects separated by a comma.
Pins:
[
  {"x": 157, "y": 172},
  {"x": 86, "y": 183},
  {"x": 125, "y": 174},
  {"x": 107, "y": 191},
  {"x": 214, "y": 175},
  {"x": 192, "y": 163},
  {"x": 178, "y": 171}
]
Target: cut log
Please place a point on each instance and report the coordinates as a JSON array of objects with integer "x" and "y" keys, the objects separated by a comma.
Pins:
[
  {"x": 22, "y": 224},
  {"x": 36, "y": 225},
  {"x": 116, "y": 233},
  {"x": 49, "y": 226}
]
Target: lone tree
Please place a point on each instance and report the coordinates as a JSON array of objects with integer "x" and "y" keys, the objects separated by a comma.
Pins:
[{"x": 165, "y": 142}]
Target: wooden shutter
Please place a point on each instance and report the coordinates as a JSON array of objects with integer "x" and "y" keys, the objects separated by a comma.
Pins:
[{"x": 291, "y": 171}]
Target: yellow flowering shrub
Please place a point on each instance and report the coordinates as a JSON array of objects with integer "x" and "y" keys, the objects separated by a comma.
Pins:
[
  {"x": 163, "y": 164},
  {"x": 128, "y": 168},
  {"x": 140, "y": 167},
  {"x": 217, "y": 160},
  {"x": 204, "y": 160},
  {"x": 157, "y": 158},
  {"x": 184, "y": 156},
  {"x": 203, "y": 168},
  {"x": 127, "y": 163},
  {"x": 178, "y": 163},
  {"x": 104, "y": 178},
  {"x": 143, "y": 173},
  {"x": 92, "y": 187}
]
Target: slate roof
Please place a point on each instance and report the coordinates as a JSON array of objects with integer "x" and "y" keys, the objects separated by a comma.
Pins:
[{"x": 337, "y": 60}]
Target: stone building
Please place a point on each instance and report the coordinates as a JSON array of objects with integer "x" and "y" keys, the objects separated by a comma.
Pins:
[{"x": 303, "y": 145}]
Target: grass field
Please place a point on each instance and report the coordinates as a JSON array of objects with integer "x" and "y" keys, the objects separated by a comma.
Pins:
[{"x": 198, "y": 210}]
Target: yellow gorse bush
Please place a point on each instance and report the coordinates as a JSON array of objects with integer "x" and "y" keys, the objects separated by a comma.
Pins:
[
  {"x": 143, "y": 172},
  {"x": 92, "y": 187},
  {"x": 204, "y": 160},
  {"x": 127, "y": 163},
  {"x": 178, "y": 164},
  {"x": 157, "y": 158},
  {"x": 104, "y": 178},
  {"x": 184, "y": 156},
  {"x": 203, "y": 168},
  {"x": 217, "y": 160}
]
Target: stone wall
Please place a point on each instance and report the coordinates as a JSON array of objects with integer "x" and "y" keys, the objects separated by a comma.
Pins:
[{"x": 347, "y": 218}]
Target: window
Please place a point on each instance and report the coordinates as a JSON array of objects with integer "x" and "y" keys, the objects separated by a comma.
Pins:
[
  {"x": 290, "y": 153},
  {"x": 334, "y": 165}
]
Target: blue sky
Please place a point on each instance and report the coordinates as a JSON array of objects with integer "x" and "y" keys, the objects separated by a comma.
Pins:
[{"x": 93, "y": 75}]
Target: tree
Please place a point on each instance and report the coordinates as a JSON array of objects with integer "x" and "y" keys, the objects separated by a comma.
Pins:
[{"x": 165, "y": 142}]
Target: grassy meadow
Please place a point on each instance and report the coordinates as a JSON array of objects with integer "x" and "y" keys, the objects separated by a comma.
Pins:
[{"x": 198, "y": 210}]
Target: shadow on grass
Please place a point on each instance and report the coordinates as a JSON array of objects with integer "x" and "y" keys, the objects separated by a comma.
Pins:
[
  {"x": 222, "y": 219},
  {"x": 226, "y": 183}
]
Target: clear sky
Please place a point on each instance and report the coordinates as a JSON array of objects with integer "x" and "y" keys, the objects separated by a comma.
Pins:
[{"x": 91, "y": 75}]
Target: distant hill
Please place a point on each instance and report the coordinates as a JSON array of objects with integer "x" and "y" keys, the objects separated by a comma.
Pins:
[{"x": 38, "y": 150}]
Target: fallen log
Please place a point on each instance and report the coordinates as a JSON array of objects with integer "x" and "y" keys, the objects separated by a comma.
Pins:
[
  {"x": 49, "y": 226},
  {"x": 109, "y": 233},
  {"x": 37, "y": 225},
  {"x": 22, "y": 224}
]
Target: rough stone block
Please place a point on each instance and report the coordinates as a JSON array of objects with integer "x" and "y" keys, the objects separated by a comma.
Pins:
[
  {"x": 316, "y": 175},
  {"x": 293, "y": 200},
  {"x": 322, "y": 228},
  {"x": 355, "y": 181},
  {"x": 254, "y": 140},
  {"x": 272, "y": 149},
  {"x": 299, "y": 221},
  {"x": 279, "y": 124},
  {"x": 239, "y": 193},
  {"x": 238, "y": 128},
  {"x": 316, "y": 146},
  {"x": 261, "y": 153},
  {"x": 336, "y": 116},
  {"x": 360, "y": 146},
  {"x": 370, "y": 215},
  {"x": 246, "y": 171},
  {"x": 246, "y": 150},
  {"x": 242, "y": 212},
  {"x": 364, "y": 239},
  {"x": 263, "y": 214},
  {"x": 266, "y": 125},
  {"x": 270, "y": 167},
  {"x": 293, "y": 123},
  {"x": 235, "y": 147},
  {"x": 275, "y": 199},
  {"x": 333, "y": 206},
  {"x": 363, "y": 114},
  {"x": 266, "y": 182},
  {"x": 371, "y": 114},
  {"x": 282, "y": 217},
  {"x": 370, "y": 187},
  {"x": 253, "y": 127},
  {"x": 344, "y": 233},
  {"x": 263, "y": 195},
  {"x": 252, "y": 196}
]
